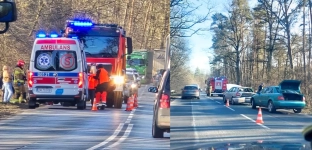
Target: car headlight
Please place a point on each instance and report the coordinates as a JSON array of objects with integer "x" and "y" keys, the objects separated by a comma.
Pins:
[{"x": 118, "y": 79}]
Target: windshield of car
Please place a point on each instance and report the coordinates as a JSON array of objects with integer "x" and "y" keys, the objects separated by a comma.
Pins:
[
  {"x": 98, "y": 46},
  {"x": 136, "y": 62},
  {"x": 56, "y": 60},
  {"x": 190, "y": 88},
  {"x": 129, "y": 77}
]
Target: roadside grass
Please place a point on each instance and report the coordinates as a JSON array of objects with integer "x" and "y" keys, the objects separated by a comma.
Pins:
[{"x": 8, "y": 110}]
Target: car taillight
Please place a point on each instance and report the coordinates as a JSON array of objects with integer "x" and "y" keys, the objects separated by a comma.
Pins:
[
  {"x": 164, "y": 101},
  {"x": 80, "y": 82},
  {"x": 303, "y": 98},
  {"x": 280, "y": 98},
  {"x": 238, "y": 94},
  {"x": 30, "y": 79}
]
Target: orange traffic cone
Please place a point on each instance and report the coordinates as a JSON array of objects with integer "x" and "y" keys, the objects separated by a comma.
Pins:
[
  {"x": 259, "y": 117},
  {"x": 129, "y": 106},
  {"x": 227, "y": 103},
  {"x": 135, "y": 105},
  {"x": 94, "y": 106}
]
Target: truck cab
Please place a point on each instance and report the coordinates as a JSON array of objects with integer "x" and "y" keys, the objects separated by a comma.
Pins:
[{"x": 104, "y": 44}]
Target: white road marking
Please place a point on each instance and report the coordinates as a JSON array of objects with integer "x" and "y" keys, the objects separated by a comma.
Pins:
[
  {"x": 254, "y": 121},
  {"x": 217, "y": 102},
  {"x": 130, "y": 116},
  {"x": 194, "y": 124},
  {"x": 229, "y": 108},
  {"x": 112, "y": 137},
  {"x": 124, "y": 137}
]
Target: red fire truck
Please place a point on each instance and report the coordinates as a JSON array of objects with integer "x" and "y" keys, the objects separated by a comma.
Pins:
[
  {"x": 218, "y": 86},
  {"x": 105, "y": 44}
]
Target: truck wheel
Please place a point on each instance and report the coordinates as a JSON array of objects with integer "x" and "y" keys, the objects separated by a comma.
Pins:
[
  {"x": 32, "y": 103},
  {"x": 110, "y": 99},
  {"x": 118, "y": 99},
  {"x": 81, "y": 105}
]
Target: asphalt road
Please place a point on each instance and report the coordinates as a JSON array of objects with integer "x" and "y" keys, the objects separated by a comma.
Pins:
[
  {"x": 201, "y": 123},
  {"x": 57, "y": 127}
]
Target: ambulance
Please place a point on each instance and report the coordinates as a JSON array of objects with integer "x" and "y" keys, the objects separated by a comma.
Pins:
[{"x": 57, "y": 72}]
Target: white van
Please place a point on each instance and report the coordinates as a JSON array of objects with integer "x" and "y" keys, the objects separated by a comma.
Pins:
[{"x": 58, "y": 73}]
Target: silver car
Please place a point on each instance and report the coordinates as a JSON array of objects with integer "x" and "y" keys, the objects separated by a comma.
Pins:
[
  {"x": 238, "y": 94},
  {"x": 131, "y": 86},
  {"x": 190, "y": 91}
]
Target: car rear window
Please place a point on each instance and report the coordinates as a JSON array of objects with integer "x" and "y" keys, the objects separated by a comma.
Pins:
[
  {"x": 190, "y": 88},
  {"x": 245, "y": 90},
  {"x": 56, "y": 60}
]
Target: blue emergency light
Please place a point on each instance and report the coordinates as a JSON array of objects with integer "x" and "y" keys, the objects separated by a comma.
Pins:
[
  {"x": 41, "y": 35},
  {"x": 81, "y": 24},
  {"x": 53, "y": 35}
]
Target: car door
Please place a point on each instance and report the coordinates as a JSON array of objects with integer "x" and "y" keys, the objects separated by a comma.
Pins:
[
  {"x": 228, "y": 93},
  {"x": 268, "y": 93},
  {"x": 233, "y": 92},
  {"x": 262, "y": 96}
]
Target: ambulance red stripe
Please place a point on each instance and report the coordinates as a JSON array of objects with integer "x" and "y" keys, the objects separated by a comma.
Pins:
[
  {"x": 59, "y": 41},
  {"x": 44, "y": 80}
]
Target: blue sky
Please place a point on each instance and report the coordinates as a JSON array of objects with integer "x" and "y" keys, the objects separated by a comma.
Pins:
[{"x": 201, "y": 54}]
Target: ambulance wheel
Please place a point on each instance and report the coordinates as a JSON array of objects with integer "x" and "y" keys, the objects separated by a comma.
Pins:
[
  {"x": 110, "y": 99},
  {"x": 81, "y": 105},
  {"x": 118, "y": 99},
  {"x": 102, "y": 107},
  {"x": 98, "y": 107},
  {"x": 32, "y": 103}
]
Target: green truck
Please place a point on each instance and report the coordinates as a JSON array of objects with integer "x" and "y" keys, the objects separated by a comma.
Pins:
[
  {"x": 147, "y": 62},
  {"x": 138, "y": 61}
]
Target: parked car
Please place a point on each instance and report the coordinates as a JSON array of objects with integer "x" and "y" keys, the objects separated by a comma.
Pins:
[
  {"x": 238, "y": 94},
  {"x": 161, "y": 114},
  {"x": 285, "y": 96},
  {"x": 190, "y": 91}
]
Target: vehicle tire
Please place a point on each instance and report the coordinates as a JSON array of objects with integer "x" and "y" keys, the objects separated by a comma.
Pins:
[
  {"x": 182, "y": 97},
  {"x": 81, "y": 105},
  {"x": 32, "y": 103},
  {"x": 110, "y": 99},
  {"x": 118, "y": 99},
  {"x": 297, "y": 111},
  {"x": 232, "y": 101},
  {"x": 253, "y": 105},
  {"x": 198, "y": 97},
  {"x": 156, "y": 132},
  {"x": 271, "y": 107}
]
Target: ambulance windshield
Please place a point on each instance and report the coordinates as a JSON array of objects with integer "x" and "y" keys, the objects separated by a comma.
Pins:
[{"x": 99, "y": 46}]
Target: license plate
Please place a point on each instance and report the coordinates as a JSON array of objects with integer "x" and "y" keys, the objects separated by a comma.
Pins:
[{"x": 44, "y": 90}]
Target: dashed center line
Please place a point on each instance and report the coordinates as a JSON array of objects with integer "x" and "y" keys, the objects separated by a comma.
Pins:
[
  {"x": 254, "y": 121},
  {"x": 229, "y": 108},
  {"x": 194, "y": 123}
]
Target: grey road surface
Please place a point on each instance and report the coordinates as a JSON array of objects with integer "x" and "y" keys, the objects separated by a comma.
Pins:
[
  {"x": 200, "y": 123},
  {"x": 57, "y": 127}
]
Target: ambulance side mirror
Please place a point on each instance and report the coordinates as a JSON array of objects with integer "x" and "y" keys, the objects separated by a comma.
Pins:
[{"x": 129, "y": 45}]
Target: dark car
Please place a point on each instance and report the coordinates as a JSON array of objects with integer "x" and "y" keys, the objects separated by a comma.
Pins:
[{"x": 161, "y": 115}]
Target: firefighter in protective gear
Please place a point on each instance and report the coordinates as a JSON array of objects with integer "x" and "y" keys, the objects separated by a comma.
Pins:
[
  {"x": 210, "y": 89},
  {"x": 102, "y": 84},
  {"x": 18, "y": 83}
]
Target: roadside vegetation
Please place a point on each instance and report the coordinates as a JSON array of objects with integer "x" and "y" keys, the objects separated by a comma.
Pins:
[{"x": 267, "y": 43}]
